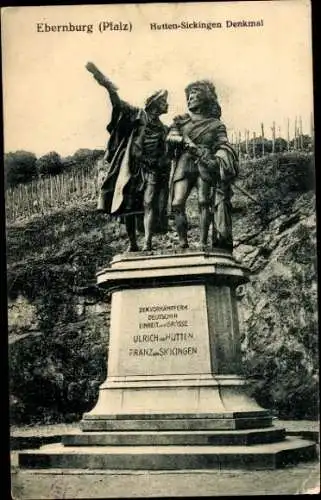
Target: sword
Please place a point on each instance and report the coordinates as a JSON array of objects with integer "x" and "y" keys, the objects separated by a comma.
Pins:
[
  {"x": 242, "y": 190},
  {"x": 170, "y": 184}
]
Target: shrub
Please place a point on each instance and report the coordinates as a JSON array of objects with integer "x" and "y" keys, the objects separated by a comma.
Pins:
[
  {"x": 82, "y": 159},
  {"x": 55, "y": 376},
  {"x": 49, "y": 164},
  {"x": 87, "y": 155},
  {"x": 55, "y": 371},
  {"x": 20, "y": 167},
  {"x": 276, "y": 181}
]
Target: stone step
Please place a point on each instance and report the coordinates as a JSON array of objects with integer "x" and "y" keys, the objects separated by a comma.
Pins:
[
  {"x": 226, "y": 415},
  {"x": 259, "y": 456},
  {"x": 152, "y": 438},
  {"x": 135, "y": 423}
]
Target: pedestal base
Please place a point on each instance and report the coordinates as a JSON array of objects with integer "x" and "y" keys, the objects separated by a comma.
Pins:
[
  {"x": 185, "y": 402},
  {"x": 169, "y": 457}
]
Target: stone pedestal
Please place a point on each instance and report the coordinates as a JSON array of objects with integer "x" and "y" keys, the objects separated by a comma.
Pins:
[
  {"x": 174, "y": 350},
  {"x": 174, "y": 396}
]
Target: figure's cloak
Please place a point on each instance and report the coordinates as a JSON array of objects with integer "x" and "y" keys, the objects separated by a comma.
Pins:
[{"x": 121, "y": 191}]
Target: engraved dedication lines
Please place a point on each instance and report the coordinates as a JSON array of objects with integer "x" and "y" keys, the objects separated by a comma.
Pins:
[
  {"x": 167, "y": 332},
  {"x": 155, "y": 338}
]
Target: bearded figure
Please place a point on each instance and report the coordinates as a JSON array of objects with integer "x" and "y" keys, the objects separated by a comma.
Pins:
[
  {"x": 203, "y": 158},
  {"x": 136, "y": 168}
]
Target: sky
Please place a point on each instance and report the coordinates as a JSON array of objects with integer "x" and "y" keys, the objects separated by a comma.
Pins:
[{"x": 52, "y": 103}]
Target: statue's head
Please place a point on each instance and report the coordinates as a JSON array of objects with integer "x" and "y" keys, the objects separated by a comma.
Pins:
[
  {"x": 201, "y": 97},
  {"x": 157, "y": 102}
]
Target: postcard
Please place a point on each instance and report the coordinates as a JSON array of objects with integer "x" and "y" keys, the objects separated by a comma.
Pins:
[{"x": 161, "y": 249}]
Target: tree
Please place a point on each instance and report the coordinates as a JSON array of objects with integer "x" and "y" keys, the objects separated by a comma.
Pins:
[
  {"x": 258, "y": 146},
  {"x": 85, "y": 155},
  {"x": 281, "y": 145},
  {"x": 303, "y": 141},
  {"x": 19, "y": 167},
  {"x": 49, "y": 164}
]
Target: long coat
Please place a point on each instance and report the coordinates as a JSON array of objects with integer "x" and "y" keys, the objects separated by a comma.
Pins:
[{"x": 121, "y": 191}]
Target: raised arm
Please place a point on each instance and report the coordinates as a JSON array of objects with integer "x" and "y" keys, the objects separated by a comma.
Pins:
[{"x": 104, "y": 82}]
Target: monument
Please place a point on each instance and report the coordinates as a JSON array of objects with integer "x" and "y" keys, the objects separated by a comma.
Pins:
[{"x": 174, "y": 396}]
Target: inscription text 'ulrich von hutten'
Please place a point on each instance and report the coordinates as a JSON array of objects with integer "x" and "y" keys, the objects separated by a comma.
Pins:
[{"x": 168, "y": 337}]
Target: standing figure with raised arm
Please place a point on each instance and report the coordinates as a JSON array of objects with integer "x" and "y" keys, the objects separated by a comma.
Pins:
[
  {"x": 203, "y": 158},
  {"x": 137, "y": 167}
]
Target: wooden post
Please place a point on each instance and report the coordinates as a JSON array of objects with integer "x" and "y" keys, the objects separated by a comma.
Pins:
[
  {"x": 67, "y": 182},
  {"x": 15, "y": 199},
  {"x": 77, "y": 190},
  {"x": 93, "y": 184},
  {"x": 273, "y": 137},
  {"x": 33, "y": 199},
  {"x": 34, "y": 195},
  {"x": 41, "y": 194},
  {"x": 61, "y": 182},
  {"x": 26, "y": 201},
  {"x": 312, "y": 129},
  {"x": 295, "y": 133},
  {"x": 61, "y": 188},
  {"x": 51, "y": 204},
  {"x": 254, "y": 144},
  {"x": 19, "y": 206},
  {"x": 288, "y": 134},
  {"x": 13, "y": 204},
  {"x": 301, "y": 133},
  {"x": 246, "y": 142},
  {"x": 262, "y": 130}
]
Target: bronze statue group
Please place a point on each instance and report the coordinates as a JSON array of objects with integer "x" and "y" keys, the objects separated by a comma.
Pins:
[{"x": 148, "y": 163}]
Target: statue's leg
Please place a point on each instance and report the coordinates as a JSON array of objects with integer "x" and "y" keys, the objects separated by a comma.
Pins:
[
  {"x": 223, "y": 218},
  {"x": 204, "y": 200},
  {"x": 162, "y": 206},
  {"x": 213, "y": 221},
  {"x": 181, "y": 190},
  {"x": 149, "y": 197},
  {"x": 130, "y": 223},
  {"x": 140, "y": 223}
]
